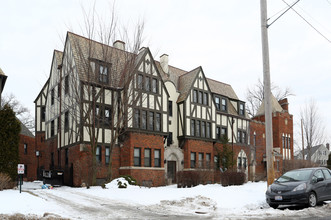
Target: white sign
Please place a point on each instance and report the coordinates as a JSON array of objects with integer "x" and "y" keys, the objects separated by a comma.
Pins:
[{"x": 20, "y": 168}]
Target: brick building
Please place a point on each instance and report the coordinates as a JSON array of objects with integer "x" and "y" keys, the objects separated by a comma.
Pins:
[
  {"x": 145, "y": 118},
  {"x": 27, "y": 154}
]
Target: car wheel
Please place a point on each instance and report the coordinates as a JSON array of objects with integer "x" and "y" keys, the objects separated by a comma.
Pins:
[
  {"x": 312, "y": 199},
  {"x": 274, "y": 206}
]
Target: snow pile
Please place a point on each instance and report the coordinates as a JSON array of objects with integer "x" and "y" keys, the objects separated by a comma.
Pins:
[{"x": 119, "y": 181}]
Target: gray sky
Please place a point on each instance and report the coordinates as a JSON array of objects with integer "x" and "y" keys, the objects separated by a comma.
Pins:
[{"x": 223, "y": 37}]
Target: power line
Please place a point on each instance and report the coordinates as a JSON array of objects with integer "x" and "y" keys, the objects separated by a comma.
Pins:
[
  {"x": 289, "y": 7},
  {"x": 308, "y": 22}
]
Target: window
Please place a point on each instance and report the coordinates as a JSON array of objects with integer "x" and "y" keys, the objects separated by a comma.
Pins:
[
  {"x": 205, "y": 98},
  {"x": 158, "y": 122},
  {"x": 241, "y": 109},
  {"x": 154, "y": 85},
  {"x": 198, "y": 129},
  {"x": 140, "y": 81},
  {"x": 283, "y": 141},
  {"x": 208, "y": 157},
  {"x": 67, "y": 157},
  {"x": 136, "y": 157},
  {"x": 208, "y": 130},
  {"x": 192, "y": 127},
  {"x": 66, "y": 121},
  {"x": 144, "y": 119},
  {"x": 289, "y": 143},
  {"x": 217, "y": 102},
  {"x": 147, "y": 84},
  {"x": 103, "y": 74},
  {"x": 200, "y": 160},
  {"x": 43, "y": 113},
  {"x": 136, "y": 119},
  {"x": 245, "y": 163},
  {"x": 218, "y": 132},
  {"x": 52, "y": 97},
  {"x": 243, "y": 137},
  {"x": 52, "y": 128},
  {"x": 66, "y": 84},
  {"x": 98, "y": 154},
  {"x": 224, "y": 106},
  {"x": 147, "y": 157},
  {"x": 25, "y": 148},
  {"x": 254, "y": 139},
  {"x": 107, "y": 155},
  {"x": 170, "y": 108},
  {"x": 327, "y": 174},
  {"x": 200, "y": 97},
  {"x": 169, "y": 139},
  {"x": 203, "y": 129},
  {"x": 224, "y": 132},
  {"x": 108, "y": 115},
  {"x": 192, "y": 159},
  {"x": 151, "y": 121},
  {"x": 239, "y": 137},
  {"x": 195, "y": 96},
  {"x": 239, "y": 162},
  {"x": 157, "y": 158}
]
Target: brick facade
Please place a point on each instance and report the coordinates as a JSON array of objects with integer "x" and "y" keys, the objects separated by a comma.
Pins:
[{"x": 27, "y": 155}]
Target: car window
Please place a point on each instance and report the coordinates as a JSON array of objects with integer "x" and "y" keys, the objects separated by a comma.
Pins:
[
  {"x": 327, "y": 174},
  {"x": 317, "y": 174},
  {"x": 295, "y": 175}
]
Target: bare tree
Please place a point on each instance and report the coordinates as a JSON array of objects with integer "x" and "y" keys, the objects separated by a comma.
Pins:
[
  {"x": 22, "y": 112},
  {"x": 255, "y": 96},
  {"x": 99, "y": 82},
  {"x": 313, "y": 126}
]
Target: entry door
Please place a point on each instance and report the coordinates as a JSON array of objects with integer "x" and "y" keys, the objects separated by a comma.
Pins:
[{"x": 172, "y": 170}]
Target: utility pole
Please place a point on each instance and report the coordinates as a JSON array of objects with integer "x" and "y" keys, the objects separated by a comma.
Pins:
[{"x": 267, "y": 93}]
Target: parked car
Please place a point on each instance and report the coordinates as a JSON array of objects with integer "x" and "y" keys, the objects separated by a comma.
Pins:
[{"x": 302, "y": 186}]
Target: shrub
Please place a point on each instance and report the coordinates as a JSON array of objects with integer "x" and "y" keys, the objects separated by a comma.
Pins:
[
  {"x": 6, "y": 182},
  {"x": 130, "y": 179},
  {"x": 229, "y": 178},
  {"x": 193, "y": 178},
  {"x": 297, "y": 164}
]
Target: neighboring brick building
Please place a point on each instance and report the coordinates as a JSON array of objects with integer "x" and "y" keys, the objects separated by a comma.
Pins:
[
  {"x": 173, "y": 119},
  {"x": 27, "y": 154}
]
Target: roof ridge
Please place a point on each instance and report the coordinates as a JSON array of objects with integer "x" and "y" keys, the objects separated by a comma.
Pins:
[
  {"x": 218, "y": 81},
  {"x": 189, "y": 71}
]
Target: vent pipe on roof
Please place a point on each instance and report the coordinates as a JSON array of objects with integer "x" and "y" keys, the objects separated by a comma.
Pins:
[
  {"x": 164, "y": 63},
  {"x": 119, "y": 45}
]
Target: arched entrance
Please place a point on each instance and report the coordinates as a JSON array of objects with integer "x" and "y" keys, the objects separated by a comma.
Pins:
[{"x": 173, "y": 163}]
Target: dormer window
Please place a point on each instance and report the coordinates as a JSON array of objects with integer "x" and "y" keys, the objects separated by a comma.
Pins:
[
  {"x": 224, "y": 105},
  {"x": 103, "y": 74},
  {"x": 217, "y": 102}
]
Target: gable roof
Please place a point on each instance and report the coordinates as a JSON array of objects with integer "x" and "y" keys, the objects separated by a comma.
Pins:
[
  {"x": 275, "y": 107},
  {"x": 312, "y": 149},
  {"x": 4, "y": 77},
  {"x": 85, "y": 49},
  {"x": 25, "y": 131},
  {"x": 185, "y": 83}
]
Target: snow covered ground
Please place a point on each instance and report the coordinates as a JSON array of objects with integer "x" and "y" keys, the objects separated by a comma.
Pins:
[{"x": 204, "y": 201}]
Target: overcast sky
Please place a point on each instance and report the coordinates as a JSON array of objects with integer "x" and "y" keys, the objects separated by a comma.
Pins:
[{"x": 223, "y": 37}]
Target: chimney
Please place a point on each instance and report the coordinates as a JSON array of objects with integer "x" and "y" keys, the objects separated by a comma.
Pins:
[
  {"x": 119, "y": 45},
  {"x": 328, "y": 146},
  {"x": 284, "y": 104},
  {"x": 164, "y": 63}
]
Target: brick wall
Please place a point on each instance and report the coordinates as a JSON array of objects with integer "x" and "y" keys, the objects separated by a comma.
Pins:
[{"x": 28, "y": 157}]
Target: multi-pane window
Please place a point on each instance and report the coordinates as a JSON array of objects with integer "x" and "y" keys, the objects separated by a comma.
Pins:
[
  {"x": 157, "y": 158},
  {"x": 195, "y": 96},
  {"x": 107, "y": 155},
  {"x": 144, "y": 119},
  {"x": 208, "y": 130},
  {"x": 151, "y": 121},
  {"x": 224, "y": 106},
  {"x": 239, "y": 136},
  {"x": 200, "y": 97},
  {"x": 200, "y": 160},
  {"x": 198, "y": 128},
  {"x": 283, "y": 141},
  {"x": 289, "y": 143},
  {"x": 241, "y": 109},
  {"x": 108, "y": 115},
  {"x": 243, "y": 137},
  {"x": 205, "y": 98},
  {"x": 98, "y": 154},
  {"x": 203, "y": 129},
  {"x": 52, "y": 128},
  {"x": 147, "y": 157},
  {"x": 217, "y": 103},
  {"x": 103, "y": 74},
  {"x": 224, "y": 132},
  {"x": 52, "y": 97},
  {"x": 192, "y": 127},
  {"x": 136, "y": 157},
  {"x": 218, "y": 132},
  {"x": 239, "y": 162},
  {"x": 169, "y": 139},
  {"x": 140, "y": 81},
  {"x": 136, "y": 119},
  {"x": 25, "y": 148},
  {"x": 66, "y": 84},
  {"x": 192, "y": 159},
  {"x": 157, "y": 121},
  {"x": 154, "y": 85},
  {"x": 170, "y": 108},
  {"x": 66, "y": 121}
]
